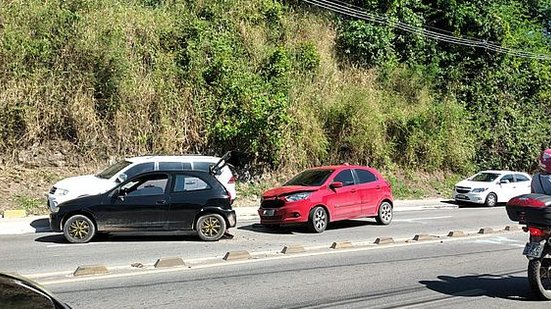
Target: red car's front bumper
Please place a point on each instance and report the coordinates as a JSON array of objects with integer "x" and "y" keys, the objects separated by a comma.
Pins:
[{"x": 296, "y": 212}]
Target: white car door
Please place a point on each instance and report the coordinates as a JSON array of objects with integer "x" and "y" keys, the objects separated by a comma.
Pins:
[{"x": 507, "y": 188}]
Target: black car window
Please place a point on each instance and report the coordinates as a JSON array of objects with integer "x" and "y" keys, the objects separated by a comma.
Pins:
[
  {"x": 147, "y": 185},
  {"x": 174, "y": 166},
  {"x": 508, "y": 177},
  {"x": 345, "y": 177},
  {"x": 521, "y": 177},
  {"x": 138, "y": 169},
  {"x": 186, "y": 183},
  {"x": 365, "y": 176}
]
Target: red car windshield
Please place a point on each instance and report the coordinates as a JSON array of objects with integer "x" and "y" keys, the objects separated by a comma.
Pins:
[{"x": 310, "y": 178}]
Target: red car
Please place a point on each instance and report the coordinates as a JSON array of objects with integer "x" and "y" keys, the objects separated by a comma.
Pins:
[{"x": 326, "y": 194}]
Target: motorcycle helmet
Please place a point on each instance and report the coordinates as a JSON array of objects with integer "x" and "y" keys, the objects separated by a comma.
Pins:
[{"x": 545, "y": 161}]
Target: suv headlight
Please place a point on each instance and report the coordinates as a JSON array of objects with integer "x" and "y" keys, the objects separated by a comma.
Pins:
[
  {"x": 479, "y": 190},
  {"x": 61, "y": 192},
  {"x": 297, "y": 196}
]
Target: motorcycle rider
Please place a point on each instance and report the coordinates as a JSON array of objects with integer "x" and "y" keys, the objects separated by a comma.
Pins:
[{"x": 541, "y": 181}]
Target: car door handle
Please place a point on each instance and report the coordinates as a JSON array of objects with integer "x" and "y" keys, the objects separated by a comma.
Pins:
[
  {"x": 353, "y": 190},
  {"x": 378, "y": 187},
  {"x": 161, "y": 202}
]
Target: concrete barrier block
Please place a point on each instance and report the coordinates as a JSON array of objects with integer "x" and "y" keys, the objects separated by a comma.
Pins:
[
  {"x": 341, "y": 245},
  {"x": 421, "y": 237},
  {"x": 169, "y": 262},
  {"x": 456, "y": 234},
  {"x": 237, "y": 255},
  {"x": 86, "y": 270},
  {"x": 486, "y": 230},
  {"x": 14, "y": 213},
  {"x": 293, "y": 249},
  {"x": 384, "y": 240}
]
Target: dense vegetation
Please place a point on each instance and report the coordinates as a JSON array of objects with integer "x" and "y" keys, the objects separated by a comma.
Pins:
[{"x": 291, "y": 84}]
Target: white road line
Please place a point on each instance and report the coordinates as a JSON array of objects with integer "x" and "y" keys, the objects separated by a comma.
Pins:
[{"x": 420, "y": 220}]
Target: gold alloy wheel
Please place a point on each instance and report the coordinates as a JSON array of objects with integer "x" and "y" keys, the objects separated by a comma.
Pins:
[
  {"x": 79, "y": 229},
  {"x": 211, "y": 226}
]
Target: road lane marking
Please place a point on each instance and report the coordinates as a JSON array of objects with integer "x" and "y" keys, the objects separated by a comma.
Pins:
[{"x": 420, "y": 220}]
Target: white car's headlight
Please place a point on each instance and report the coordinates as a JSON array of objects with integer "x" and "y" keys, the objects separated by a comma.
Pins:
[
  {"x": 479, "y": 190},
  {"x": 297, "y": 196},
  {"x": 61, "y": 192}
]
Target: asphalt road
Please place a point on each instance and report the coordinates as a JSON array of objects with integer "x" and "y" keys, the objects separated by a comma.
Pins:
[
  {"x": 49, "y": 252},
  {"x": 487, "y": 272}
]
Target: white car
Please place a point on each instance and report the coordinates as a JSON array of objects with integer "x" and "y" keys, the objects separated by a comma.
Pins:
[
  {"x": 492, "y": 187},
  {"x": 73, "y": 187}
]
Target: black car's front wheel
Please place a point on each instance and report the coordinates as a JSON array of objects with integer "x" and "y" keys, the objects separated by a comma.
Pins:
[
  {"x": 79, "y": 229},
  {"x": 211, "y": 227}
]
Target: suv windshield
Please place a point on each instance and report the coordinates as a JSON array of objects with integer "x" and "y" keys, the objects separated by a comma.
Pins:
[
  {"x": 310, "y": 178},
  {"x": 485, "y": 177},
  {"x": 113, "y": 169}
]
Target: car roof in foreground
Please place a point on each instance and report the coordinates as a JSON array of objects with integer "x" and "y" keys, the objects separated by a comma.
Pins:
[{"x": 172, "y": 158}]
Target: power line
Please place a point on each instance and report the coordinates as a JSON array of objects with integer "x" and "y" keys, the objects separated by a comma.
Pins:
[{"x": 360, "y": 13}]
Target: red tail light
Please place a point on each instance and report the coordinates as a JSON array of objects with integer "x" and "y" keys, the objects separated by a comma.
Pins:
[
  {"x": 534, "y": 231},
  {"x": 232, "y": 180},
  {"x": 526, "y": 202}
]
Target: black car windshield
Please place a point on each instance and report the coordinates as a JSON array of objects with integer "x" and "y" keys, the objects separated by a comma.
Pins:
[
  {"x": 310, "y": 178},
  {"x": 485, "y": 177},
  {"x": 113, "y": 169}
]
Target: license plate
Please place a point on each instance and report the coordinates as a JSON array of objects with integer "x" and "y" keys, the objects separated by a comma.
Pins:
[
  {"x": 533, "y": 249},
  {"x": 268, "y": 212},
  {"x": 461, "y": 196}
]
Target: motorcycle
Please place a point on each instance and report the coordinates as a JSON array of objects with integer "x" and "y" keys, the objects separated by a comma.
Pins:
[{"x": 534, "y": 211}]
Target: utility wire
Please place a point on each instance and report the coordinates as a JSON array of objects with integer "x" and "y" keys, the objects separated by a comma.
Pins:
[{"x": 360, "y": 13}]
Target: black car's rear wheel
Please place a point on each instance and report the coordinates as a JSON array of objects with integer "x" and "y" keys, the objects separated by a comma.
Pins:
[
  {"x": 211, "y": 227},
  {"x": 79, "y": 229}
]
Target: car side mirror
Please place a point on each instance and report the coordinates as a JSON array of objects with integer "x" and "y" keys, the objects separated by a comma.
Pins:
[
  {"x": 119, "y": 194},
  {"x": 504, "y": 181},
  {"x": 336, "y": 184}
]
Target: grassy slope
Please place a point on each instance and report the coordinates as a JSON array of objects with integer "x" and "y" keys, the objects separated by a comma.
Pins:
[{"x": 111, "y": 78}]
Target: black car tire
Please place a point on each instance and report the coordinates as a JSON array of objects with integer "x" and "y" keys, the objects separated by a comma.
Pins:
[
  {"x": 317, "y": 220},
  {"x": 491, "y": 200},
  {"x": 384, "y": 214},
  {"x": 79, "y": 229},
  {"x": 211, "y": 227}
]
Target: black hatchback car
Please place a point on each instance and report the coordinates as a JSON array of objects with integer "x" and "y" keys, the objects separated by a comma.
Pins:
[{"x": 154, "y": 201}]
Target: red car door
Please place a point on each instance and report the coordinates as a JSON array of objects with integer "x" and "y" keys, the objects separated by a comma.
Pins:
[
  {"x": 345, "y": 202},
  {"x": 369, "y": 188}
]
